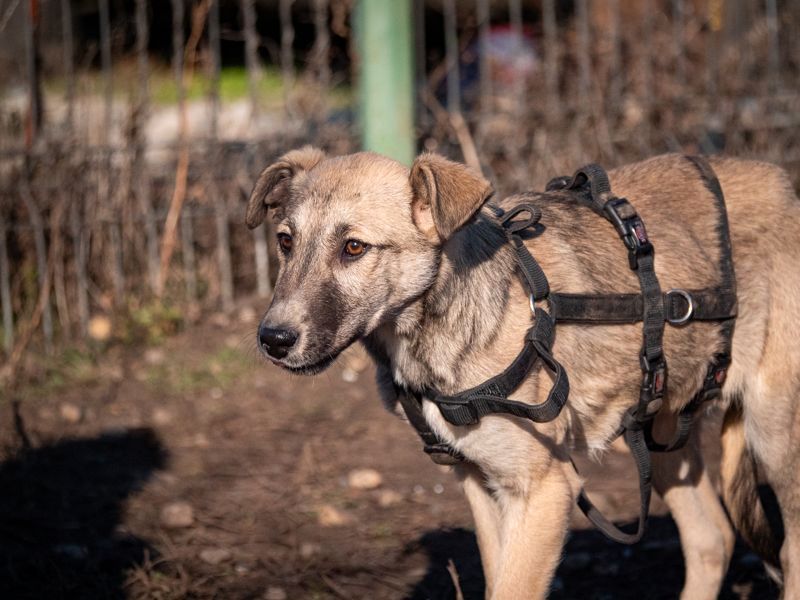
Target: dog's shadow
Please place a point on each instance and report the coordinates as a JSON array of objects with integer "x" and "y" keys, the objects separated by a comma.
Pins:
[
  {"x": 60, "y": 511},
  {"x": 592, "y": 568}
]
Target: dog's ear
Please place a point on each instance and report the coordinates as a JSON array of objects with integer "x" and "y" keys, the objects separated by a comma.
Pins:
[
  {"x": 446, "y": 195},
  {"x": 272, "y": 186}
]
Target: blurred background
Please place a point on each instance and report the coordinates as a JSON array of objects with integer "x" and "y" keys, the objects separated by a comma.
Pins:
[{"x": 147, "y": 452}]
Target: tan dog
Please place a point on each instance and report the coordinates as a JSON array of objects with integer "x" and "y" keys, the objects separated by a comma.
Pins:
[{"x": 413, "y": 264}]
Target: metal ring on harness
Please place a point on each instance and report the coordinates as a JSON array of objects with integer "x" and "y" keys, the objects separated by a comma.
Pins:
[{"x": 689, "y": 306}]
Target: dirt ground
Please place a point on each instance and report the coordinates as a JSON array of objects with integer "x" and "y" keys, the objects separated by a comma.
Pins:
[{"x": 194, "y": 470}]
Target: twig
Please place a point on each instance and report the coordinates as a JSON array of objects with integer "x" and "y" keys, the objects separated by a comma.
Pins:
[
  {"x": 184, "y": 68},
  {"x": 451, "y": 568},
  {"x": 459, "y": 127}
]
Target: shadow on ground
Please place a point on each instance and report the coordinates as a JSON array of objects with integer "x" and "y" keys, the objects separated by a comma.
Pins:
[
  {"x": 61, "y": 513},
  {"x": 593, "y": 568}
]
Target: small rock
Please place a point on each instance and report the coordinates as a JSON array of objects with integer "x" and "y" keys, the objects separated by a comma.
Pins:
[
  {"x": 177, "y": 515},
  {"x": 364, "y": 479},
  {"x": 438, "y": 488},
  {"x": 99, "y": 328},
  {"x": 275, "y": 593},
  {"x": 70, "y": 413},
  {"x": 330, "y": 516},
  {"x": 154, "y": 356},
  {"x": 162, "y": 416},
  {"x": 241, "y": 569},
  {"x": 214, "y": 556},
  {"x": 201, "y": 441},
  {"x": 309, "y": 549},
  {"x": 216, "y": 393},
  {"x": 389, "y": 498}
]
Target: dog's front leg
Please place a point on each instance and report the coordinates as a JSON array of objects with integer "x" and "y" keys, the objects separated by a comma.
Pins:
[
  {"x": 682, "y": 480},
  {"x": 486, "y": 514},
  {"x": 534, "y": 525}
]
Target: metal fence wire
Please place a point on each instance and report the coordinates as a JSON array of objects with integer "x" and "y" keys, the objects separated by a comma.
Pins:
[{"x": 109, "y": 197}]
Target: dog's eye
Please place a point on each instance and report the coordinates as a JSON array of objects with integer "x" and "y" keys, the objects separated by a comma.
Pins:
[
  {"x": 354, "y": 248},
  {"x": 285, "y": 242}
]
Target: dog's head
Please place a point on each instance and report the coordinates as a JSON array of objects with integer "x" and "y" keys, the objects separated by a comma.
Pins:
[{"x": 359, "y": 238}]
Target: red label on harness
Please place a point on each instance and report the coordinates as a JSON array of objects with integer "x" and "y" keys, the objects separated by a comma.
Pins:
[
  {"x": 658, "y": 382},
  {"x": 640, "y": 232}
]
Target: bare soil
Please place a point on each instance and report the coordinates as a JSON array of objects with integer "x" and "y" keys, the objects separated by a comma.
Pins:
[{"x": 93, "y": 453}]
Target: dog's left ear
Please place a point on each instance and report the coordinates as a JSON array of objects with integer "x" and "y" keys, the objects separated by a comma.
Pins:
[
  {"x": 446, "y": 195},
  {"x": 272, "y": 187}
]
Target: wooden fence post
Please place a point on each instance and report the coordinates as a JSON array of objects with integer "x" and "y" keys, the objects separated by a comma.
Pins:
[
  {"x": 452, "y": 57},
  {"x": 80, "y": 251},
  {"x": 5, "y": 291},
  {"x": 69, "y": 62},
  {"x": 108, "y": 200},
  {"x": 551, "y": 60},
  {"x": 484, "y": 68},
  {"x": 187, "y": 253},
  {"x": 141, "y": 173},
  {"x": 254, "y": 76},
  {"x": 321, "y": 53},
  {"x": 584, "y": 59},
  {"x": 287, "y": 56},
  {"x": 40, "y": 244},
  {"x": 35, "y": 115}
]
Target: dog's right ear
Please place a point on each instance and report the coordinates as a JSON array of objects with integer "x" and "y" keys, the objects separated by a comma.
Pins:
[
  {"x": 272, "y": 186},
  {"x": 445, "y": 195}
]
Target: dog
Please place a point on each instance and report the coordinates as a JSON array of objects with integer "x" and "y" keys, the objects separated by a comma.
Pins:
[{"x": 412, "y": 262}]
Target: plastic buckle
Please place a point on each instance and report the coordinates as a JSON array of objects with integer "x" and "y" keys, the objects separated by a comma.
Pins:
[
  {"x": 654, "y": 380},
  {"x": 630, "y": 228}
]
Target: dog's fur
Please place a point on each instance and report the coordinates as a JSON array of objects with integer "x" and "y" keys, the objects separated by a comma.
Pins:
[{"x": 436, "y": 301}]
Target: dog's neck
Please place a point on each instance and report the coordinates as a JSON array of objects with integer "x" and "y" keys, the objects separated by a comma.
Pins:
[{"x": 431, "y": 340}]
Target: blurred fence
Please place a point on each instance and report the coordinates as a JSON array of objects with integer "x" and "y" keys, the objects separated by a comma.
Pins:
[{"x": 109, "y": 200}]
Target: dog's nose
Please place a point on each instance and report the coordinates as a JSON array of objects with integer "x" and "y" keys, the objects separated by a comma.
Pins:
[{"x": 276, "y": 341}]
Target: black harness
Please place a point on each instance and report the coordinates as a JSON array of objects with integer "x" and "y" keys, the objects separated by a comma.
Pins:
[{"x": 653, "y": 307}]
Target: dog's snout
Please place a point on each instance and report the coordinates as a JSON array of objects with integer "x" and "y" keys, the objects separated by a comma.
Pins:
[{"x": 276, "y": 341}]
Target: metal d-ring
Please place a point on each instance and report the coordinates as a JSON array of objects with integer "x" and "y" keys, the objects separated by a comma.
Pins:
[
  {"x": 689, "y": 306},
  {"x": 532, "y": 303}
]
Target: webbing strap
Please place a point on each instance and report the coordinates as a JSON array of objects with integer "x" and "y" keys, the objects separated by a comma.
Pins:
[
  {"x": 680, "y": 306},
  {"x": 440, "y": 453},
  {"x": 634, "y": 437},
  {"x": 467, "y": 408},
  {"x": 641, "y": 258}
]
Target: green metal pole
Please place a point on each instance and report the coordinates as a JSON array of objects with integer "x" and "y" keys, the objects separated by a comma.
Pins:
[{"x": 386, "y": 82}]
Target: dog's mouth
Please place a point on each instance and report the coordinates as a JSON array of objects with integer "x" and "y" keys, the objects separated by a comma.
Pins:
[
  {"x": 314, "y": 367},
  {"x": 311, "y": 368}
]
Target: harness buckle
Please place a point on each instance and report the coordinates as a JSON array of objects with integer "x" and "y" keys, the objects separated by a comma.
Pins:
[
  {"x": 630, "y": 228},
  {"x": 689, "y": 307},
  {"x": 654, "y": 382}
]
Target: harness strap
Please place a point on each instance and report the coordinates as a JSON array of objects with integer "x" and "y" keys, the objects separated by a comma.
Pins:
[
  {"x": 680, "y": 306},
  {"x": 652, "y": 307},
  {"x": 634, "y": 437},
  {"x": 467, "y": 408},
  {"x": 440, "y": 453}
]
